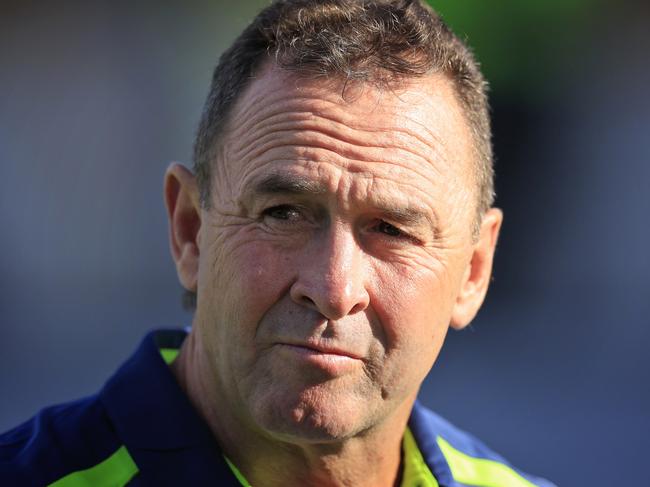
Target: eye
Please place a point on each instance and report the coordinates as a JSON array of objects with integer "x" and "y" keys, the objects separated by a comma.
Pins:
[
  {"x": 283, "y": 212},
  {"x": 388, "y": 229}
]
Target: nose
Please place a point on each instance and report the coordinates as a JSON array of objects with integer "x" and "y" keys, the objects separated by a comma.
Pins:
[{"x": 332, "y": 276}]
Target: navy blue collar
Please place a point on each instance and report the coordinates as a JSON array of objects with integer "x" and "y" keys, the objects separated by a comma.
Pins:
[{"x": 168, "y": 440}]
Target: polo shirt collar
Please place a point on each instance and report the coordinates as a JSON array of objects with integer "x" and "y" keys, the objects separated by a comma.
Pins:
[
  {"x": 146, "y": 404},
  {"x": 169, "y": 442}
]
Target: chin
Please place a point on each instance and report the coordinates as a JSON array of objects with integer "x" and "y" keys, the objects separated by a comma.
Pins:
[{"x": 313, "y": 417}]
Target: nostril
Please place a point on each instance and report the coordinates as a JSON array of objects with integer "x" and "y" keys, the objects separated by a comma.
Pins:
[
  {"x": 307, "y": 300},
  {"x": 357, "y": 308}
]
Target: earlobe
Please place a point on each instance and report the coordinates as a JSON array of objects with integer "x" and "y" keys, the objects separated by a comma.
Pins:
[
  {"x": 184, "y": 214},
  {"x": 476, "y": 279}
]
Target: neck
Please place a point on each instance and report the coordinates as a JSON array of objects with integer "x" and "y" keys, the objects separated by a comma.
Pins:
[
  {"x": 354, "y": 462},
  {"x": 371, "y": 458}
]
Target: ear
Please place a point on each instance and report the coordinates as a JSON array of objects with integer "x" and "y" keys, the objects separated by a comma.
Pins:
[
  {"x": 477, "y": 274},
  {"x": 184, "y": 214}
]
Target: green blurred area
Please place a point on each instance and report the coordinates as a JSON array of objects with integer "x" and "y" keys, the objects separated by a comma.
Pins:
[{"x": 520, "y": 43}]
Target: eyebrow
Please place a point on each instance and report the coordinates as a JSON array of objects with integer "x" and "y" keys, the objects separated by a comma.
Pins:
[{"x": 287, "y": 184}]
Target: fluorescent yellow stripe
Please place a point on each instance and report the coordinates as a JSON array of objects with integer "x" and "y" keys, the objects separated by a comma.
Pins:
[
  {"x": 415, "y": 471},
  {"x": 115, "y": 471},
  {"x": 479, "y": 471},
  {"x": 168, "y": 354},
  {"x": 238, "y": 474}
]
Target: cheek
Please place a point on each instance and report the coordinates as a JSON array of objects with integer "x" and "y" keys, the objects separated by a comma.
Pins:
[
  {"x": 238, "y": 287},
  {"x": 414, "y": 312},
  {"x": 250, "y": 279},
  {"x": 414, "y": 303}
]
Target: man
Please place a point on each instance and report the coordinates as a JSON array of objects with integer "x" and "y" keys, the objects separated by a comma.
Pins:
[{"x": 338, "y": 221}]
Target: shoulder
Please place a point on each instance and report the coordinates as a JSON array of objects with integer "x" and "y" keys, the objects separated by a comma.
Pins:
[
  {"x": 458, "y": 458},
  {"x": 57, "y": 441}
]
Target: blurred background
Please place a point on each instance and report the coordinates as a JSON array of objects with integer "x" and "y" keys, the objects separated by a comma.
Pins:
[{"x": 97, "y": 97}]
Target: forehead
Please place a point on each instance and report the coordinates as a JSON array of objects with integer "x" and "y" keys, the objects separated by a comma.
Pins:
[
  {"x": 415, "y": 106},
  {"x": 412, "y": 134}
]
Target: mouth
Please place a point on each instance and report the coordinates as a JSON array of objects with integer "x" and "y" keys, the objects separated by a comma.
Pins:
[
  {"x": 320, "y": 348},
  {"x": 332, "y": 360}
]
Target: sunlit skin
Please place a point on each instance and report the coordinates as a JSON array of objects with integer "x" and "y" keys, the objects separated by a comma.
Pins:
[{"x": 336, "y": 252}]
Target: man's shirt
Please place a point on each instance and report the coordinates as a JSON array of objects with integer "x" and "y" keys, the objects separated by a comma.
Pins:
[{"x": 141, "y": 429}]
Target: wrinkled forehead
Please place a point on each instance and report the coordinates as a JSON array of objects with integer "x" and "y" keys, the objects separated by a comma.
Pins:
[
  {"x": 421, "y": 99},
  {"x": 417, "y": 106},
  {"x": 414, "y": 129}
]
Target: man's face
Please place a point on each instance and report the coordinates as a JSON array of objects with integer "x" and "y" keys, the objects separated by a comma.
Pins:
[{"x": 333, "y": 254}]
